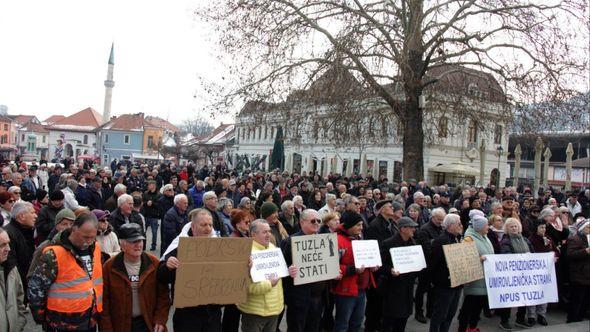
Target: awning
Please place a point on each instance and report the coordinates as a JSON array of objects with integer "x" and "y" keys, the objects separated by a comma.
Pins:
[
  {"x": 147, "y": 156},
  {"x": 455, "y": 168},
  {"x": 581, "y": 163}
]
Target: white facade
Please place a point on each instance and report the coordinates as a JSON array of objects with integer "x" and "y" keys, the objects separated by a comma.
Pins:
[
  {"x": 75, "y": 143},
  {"x": 33, "y": 143}
]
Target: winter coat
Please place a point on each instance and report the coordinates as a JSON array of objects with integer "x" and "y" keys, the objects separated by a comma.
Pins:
[
  {"x": 507, "y": 248},
  {"x": 197, "y": 196},
  {"x": 579, "y": 259},
  {"x": 153, "y": 296},
  {"x": 381, "y": 229},
  {"x": 351, "y": 281},
  {"x": 116, "y": 219},
  {"x": 484, "y": 247},
  {"x": 218, "y": 224},
  {"x": 46, "y": 221},
  {"x": 398, "y": 292},
  {"x": 279, "y": 233},
  {"x": 171, "y": 226},
  {"x": 165, "y": 203},
  {"x": 111, "y": 203},
  {"x": 94, "y": 199},
  {"x": 22, "y": 247},
  {"x": 152, "y": 211},
  {"x": 70, "y": 199},
  {"x": 263, "y": 299},
  {"x": 12, "y": 308},
  {"x": 290, "y": 229},
  {"x": 495, "y": 239},
  {"x": 426, "y": 235},
  {"x": 109, "y": 243},
  {"x": 438, "y": 264}
]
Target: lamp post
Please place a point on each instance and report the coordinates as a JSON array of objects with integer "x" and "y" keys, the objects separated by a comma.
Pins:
[{"x": 500, "y": 152}]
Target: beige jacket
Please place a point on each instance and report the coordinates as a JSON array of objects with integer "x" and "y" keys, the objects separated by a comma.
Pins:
[{"x": 12, "y": 307}]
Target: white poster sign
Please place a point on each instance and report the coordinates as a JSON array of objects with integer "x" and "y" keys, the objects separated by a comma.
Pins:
[
  {"x": 267, "y": 264},
  {"x": 316, "y": 257},
  {"x": 516, "y": 280},
  {"x": 407, "y": 259},
  {"x": 366, "y": 253}
]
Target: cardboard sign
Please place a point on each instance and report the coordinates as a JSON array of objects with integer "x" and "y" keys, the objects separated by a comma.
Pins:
[
  {"x": 212, "y": 271},
  {"x": 267, "y": 264},
  {"x": 366, "y": 253},
  {"x": 517, "y": 280},
  {"x": 463, "y": 263},
  {"x": 407, "y": 259},
  {"x": 316, "y": 257}
]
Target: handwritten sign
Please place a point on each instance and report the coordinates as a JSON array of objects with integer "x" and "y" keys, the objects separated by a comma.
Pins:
[
  {"x": 212, "y": 271},
  {"x": 463, "y": 263},
  {"x": 366, "y": 253},
  {"x": 407, "y": 259},
  {"x": 517, "y": 280},
  {"x": 267, "y": 264},
  {"x": 316, "y": 257}
]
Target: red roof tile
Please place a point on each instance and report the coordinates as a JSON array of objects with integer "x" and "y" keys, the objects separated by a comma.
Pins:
[
  {"x": 161, "y": 123},
  {"x": 127, "y": 122},
  {"x": 85, "y": 118},
  {"x": 54, "y": 118}
]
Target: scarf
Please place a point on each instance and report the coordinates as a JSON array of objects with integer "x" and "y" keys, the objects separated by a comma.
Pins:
[
  {"x": 518, "y": 244},
  {"x": 556, "y": 223}
]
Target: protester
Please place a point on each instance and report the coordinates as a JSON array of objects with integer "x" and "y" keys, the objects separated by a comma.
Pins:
[
  {"x": 261, "y": 310},
  {"x": 578, "y": 253},
  {"x": 269, "y": 212},
  {"x": 151, "y": 211},
  {"x": 6, "y": 204},
  {"x": 124, "y": 213},
  {"x": 133, "y": 272},
  {"x": 70, "y": 200},
  {"x": 397, "y": 289},
  {"x": 72, "y": 266},
  {"x": 475, "y": 299},
  {"x": 288, "y": 217},
  {"x": 12, "y": 307},
  {"x": 446, "y": 299},
  {"x": 540, "y": 243},
  {"x": 203, "y": 318},
  {"x": 106, "y": 237}
]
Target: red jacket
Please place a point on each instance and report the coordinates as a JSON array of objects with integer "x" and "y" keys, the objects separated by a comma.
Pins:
[{"x": 351, "y": 281}]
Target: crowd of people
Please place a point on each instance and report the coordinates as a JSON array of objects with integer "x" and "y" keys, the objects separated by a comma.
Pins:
[{"x": 74, "y": 247}]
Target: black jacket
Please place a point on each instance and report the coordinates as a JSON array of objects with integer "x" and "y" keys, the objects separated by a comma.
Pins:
[
  {"x": 381, "y": 229},
  {"x": 165, "y": 203},
  {"x": 94, "y": 199},
  {"x": 426, "y": 235},
  {"x": 290, "y": 229},
  {"x": 172, "y": 224},
  {"x": 398, "y": 292},
  {"x": 46, "y": 221},
  {"x": 22, "y": 247},
  {"x": 218, "y": 224},
  {"x": 152, "y": 211},
  {"x": 116, "y": 219},
  {"x": 438, "y": 264}
]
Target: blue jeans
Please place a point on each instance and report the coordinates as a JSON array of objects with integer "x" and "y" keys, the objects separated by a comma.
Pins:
[
  {"x": 153, "y": 224},
  {"x": 446, "y": 301},
  {"x": 350, "y": 311}
]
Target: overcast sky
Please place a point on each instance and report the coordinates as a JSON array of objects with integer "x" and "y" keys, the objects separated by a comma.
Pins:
[{"x": 53, "y": 57}]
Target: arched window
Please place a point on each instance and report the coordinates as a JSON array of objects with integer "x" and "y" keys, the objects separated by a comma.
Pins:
[
  {"x": 443, "y": 127},
  {"x": 472, "y": 132}
]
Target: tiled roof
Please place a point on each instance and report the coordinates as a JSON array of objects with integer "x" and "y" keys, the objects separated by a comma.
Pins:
[
  {"x": 86, "y": 119},
  {"x": 161, "y": 123},
  {"x": 127, "y": 122},
  {"x": 52, "y": 119},
  {"x": 35, "y": 127},
  {"x": 219, "y": 135},
  {"x": 21, "y": 119}
]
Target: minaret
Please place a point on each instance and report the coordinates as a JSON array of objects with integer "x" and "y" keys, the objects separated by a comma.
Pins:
[{"x": 108, "y": 85}]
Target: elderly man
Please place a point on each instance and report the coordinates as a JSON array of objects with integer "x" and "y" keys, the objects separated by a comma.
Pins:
[
  {"x": 133, "y": 272},
  {"x": 12, "y": 307},
  {"x": 151, "y": 211},
  {"x": 210, "y": 199},
  {"x": 21, "y": 230},
  {"x": 427, "y": 233},
  {"x": 70, "y": 200},
  {"x": 288, "y": 217},
  {"x": 46, "y": 218},
  {"x": 261, "y": 310},
  {"x": 203, "y": 318},
  {"x": 304, "y": 302},
  {"x": 65, "y": 290},
  {"x": 173, "y": 221},
  {"x": 329, "y": 207},
  {"x": 197, "y": 192},
  {"x": 424, "y": 215},
  {"x": 124, "y": 214},
  {"x": 446, "y": 299},
  {"x": 111, "y": 203}
]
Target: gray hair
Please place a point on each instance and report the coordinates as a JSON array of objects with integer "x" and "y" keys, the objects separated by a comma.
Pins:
[
  {"x": 350, "y": 200},
  {"x": 72, "y": 184},
  {"x": 120, "y": 188},
  {"x": 194, "y": 214},
  {"x": 243, "y": 201},
  {"x": 178, "y": 197},
  {"x": 450, "y": 220},
  {"x": 7, "y": 170},
  {"x": 12, "y": 189},
  {"x": 418, "y": 194},
  {"x": 209, "y": 194},
  {"x": 166, "y": 187},
  {"x": 330, "y": 196},
  {"x": 546, "y": 212},
  {"x": 123, "y": 199},
  {"x": 297, "y": 198},
  {"x": 305, "y": 214},
  {"x": 255, "y": 224},
  {"x": 415, "y": 207},
  {"x": 286, "y": 204},
  {"x": 223, "y": 202},
  {"x": 20, "y": 208},
  {"x": 439, "y": 211}
]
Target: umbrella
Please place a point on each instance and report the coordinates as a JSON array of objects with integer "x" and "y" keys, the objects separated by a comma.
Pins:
[
  {"x": 87, "y": 157},
  {"x": 277, "y": 159}
]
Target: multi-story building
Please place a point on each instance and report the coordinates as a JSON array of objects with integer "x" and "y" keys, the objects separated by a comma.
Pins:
[
  {"x": 74, "y": 135},
  {"x": 467, "y": 134}
]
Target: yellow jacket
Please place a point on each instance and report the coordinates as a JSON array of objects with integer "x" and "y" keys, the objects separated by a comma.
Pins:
[{"x": 263, "y": 299}]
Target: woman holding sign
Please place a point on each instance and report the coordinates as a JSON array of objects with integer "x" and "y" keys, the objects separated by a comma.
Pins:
[
  {"x": 397, "y": 289},
  {"x": 475, "y": 292},
  {"x": 349, "y": 292}
]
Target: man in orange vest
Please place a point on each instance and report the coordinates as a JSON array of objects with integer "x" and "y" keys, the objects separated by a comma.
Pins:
[{"x": 65, "y": 291}]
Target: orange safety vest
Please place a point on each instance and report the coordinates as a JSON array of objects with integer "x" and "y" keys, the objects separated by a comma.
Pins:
[{"x": 73, "y": 291}]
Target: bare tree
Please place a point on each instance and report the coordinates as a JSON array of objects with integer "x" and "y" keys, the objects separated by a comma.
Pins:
[
  {"x": 397, "y": 49},
  {"x": 197, "y": 126}
]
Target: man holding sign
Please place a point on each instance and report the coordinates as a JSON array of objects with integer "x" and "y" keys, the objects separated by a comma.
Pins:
[
  {"x": 265, "y": 298},
  {"x": 397, "y": 289}
]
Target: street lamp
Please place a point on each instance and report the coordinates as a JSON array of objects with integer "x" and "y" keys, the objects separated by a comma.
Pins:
[{"x": 500, "y": 152}]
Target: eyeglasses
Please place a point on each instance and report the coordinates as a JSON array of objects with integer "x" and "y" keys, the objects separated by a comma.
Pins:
[
  {"x": 357, "y": 203},
  {"x": 315, "y": 221},
  {"x": 11, "y": 201},
  {"x": 17, "y": 192}
]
